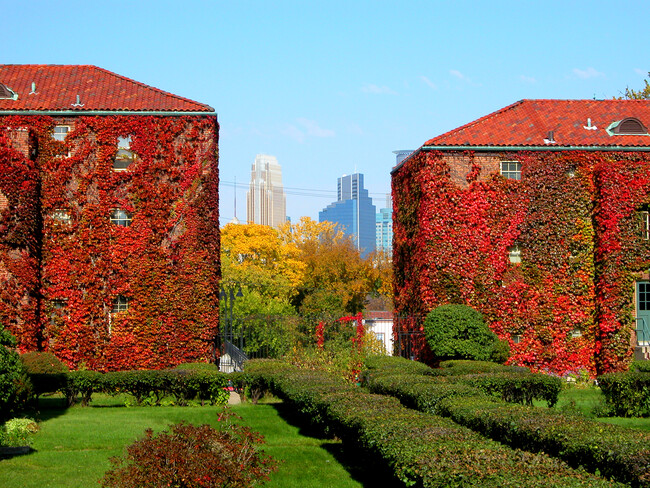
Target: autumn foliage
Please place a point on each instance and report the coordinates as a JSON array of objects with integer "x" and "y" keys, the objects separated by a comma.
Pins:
[
  {"x": 63, "y": 262},
  {"x": 574, "y": 216}
]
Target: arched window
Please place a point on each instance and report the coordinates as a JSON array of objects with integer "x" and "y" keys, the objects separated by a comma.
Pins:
[{"x": 627, "y": 127}]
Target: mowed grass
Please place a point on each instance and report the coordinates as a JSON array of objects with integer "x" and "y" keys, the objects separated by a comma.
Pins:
[
  {"x": 73, "y": 447},
  {"x": 583, "y": 401}
]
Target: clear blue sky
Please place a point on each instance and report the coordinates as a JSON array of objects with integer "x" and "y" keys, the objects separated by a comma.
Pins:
[{"x": 333, "y": 86}]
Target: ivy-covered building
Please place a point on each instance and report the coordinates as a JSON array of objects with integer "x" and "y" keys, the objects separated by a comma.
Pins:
[
  {"x": 109, "y": 236},
  {"x": 536, "y": 215}
]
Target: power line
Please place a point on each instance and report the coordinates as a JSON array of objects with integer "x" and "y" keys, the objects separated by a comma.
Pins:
[{"x": 304, "y": 192}]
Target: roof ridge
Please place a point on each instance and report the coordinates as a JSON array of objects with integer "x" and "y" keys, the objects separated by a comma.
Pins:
[{"x": 131, "y": 80}]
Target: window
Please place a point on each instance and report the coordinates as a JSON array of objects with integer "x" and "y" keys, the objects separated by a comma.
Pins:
[
  {"x": 124, "y": 156},
  {"x": 516, "y": 338},
  {"x": 58, "y": 310},
  {"x": 628, "y": 126},
  {"x": 511, "y": 170},
  {"x": 60, "y": 132},
  {"x": 120, "y": 304},
  {"x": 644, "y": 224},
  {"x": 575, "y": 333},
  {"x": 514, "y": 253},
  {"x": 571, "y": 172},
  {"x": 121, "y": 218},
  {"x": 61, "y": 216}
]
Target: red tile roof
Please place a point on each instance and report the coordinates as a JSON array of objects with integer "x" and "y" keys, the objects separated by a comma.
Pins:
[
  {"x": 528, "y": 123},
  {"x": 58, "y": 86}
]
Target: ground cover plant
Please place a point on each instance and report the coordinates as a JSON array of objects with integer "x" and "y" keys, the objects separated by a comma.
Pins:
[{"x": 73, "y": 447}]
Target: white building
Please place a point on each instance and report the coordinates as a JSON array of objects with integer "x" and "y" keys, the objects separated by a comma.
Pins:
[{"x": 265, "y": 200}]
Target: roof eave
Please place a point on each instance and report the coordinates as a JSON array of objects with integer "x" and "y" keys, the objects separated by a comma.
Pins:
[
  {"x": 73, "y": 113},
  {"x": 552, "y": 148}
]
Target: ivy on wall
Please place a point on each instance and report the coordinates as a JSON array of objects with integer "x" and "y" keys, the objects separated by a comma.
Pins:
[
  {"x": 166, "y": 262},
  {"x": 569, "y": 304}
]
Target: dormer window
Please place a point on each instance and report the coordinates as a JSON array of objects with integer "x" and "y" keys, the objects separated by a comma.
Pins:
[
  {"x": 7, "y": 93},
  {"x": 630, "y": 126},
  {"x": 124, "y": 156}
]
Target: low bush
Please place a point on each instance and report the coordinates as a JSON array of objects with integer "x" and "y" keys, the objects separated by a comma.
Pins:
[
  {"x": 42, "y": 363},
  {"x": 197, "y": 367},
  {"x": 612, "y": 451},
  {"x": 147, "y": 387},
  {"x": 420, "y": 449},
  {"x": 191, "y": 457},
  {"x": 15, "y": 386},
  {"x": 17, "y": 432},
  {"x": 462, "y": 366},
  {"x": 627, "y": 394},
  {"x": 460, "y": 332},
  {"x": 640, "y": 366}
]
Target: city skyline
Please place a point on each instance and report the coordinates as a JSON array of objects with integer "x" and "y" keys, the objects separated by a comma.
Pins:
[{"x": 334, "y": 87}]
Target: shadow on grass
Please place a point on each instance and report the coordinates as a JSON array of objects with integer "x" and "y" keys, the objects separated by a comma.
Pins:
[{"x": 362, "y": 466}]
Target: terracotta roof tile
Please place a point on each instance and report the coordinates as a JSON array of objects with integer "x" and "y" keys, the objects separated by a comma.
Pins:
[
  {"x": 528, "y": 123},
  {"x": 58, "y": 86}
]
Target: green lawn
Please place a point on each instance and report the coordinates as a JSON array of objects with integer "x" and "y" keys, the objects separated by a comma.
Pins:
[
  {"x": 74, "y": 445},
  {"x": 583, "y": 400}
]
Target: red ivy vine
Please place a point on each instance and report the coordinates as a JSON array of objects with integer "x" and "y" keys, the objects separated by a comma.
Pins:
[
  {"x": 59, "y": 279},
  {"x": 569, "y": 304}
]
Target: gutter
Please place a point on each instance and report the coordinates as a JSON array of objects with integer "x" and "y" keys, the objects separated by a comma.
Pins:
[
  {"x": 73, "y": 113},
  {"x": 552, "y": 148}
]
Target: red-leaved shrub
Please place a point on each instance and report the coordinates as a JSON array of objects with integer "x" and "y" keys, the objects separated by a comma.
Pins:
[{"x": 187, "y": 456}]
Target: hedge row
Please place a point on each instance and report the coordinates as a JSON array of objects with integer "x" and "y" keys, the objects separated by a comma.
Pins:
[
  {"x": 421, "y": 450},
  {"x": 612, "y": 451},
  {"x": 149, "y": 386},
  {"x": 510, "y": 383},
  {"x": 627, "y": 394}
]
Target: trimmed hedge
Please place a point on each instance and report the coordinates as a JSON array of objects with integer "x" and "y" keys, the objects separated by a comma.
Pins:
[
  {"x": 615, "y": 452},
  {"x": 627, "y": 394},
  {"x": 421, "y": 450},
  {"x": 146, "y": 386},
  {"x": 510, "y": 383}
]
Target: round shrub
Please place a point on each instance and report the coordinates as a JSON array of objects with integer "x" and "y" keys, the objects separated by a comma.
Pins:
[
  {"x": 192, "y": 457},
  {"x": 42, "y": 363},
  {"x": 459, "y": 332},
  {"x": 15, "y": 387}
]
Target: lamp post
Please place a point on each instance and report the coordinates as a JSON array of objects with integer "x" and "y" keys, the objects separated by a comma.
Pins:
[{"x": 228, "y": 295}]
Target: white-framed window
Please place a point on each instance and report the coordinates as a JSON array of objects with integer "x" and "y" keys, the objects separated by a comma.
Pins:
[
  {"x": 644, "y": 224},
  {"x": 120, "y": 217},
  {"x": 575, "y": 333},
  {"x": 511, "y": 170},
  {"x": 120, "y": 304},
  {"x": 516, "y": 338},
  {"x": 60, "y": 132},
  {"x": 514, "y": 254},
  {"x": 57, "y": 311},
  {"x": 124, "y": 156},
  {"x": 61, "y": 216}
]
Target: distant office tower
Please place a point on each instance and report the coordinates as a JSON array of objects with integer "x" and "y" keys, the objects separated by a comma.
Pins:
[
  {"x": 265, "y": 200},
  {"x": 401, "y": 155},
  {"x": 384, "y": 227},
  {"x": 354, "y": 212}
]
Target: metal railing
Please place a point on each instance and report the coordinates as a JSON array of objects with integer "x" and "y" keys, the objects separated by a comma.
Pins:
[{"x": 642, "y": 333}]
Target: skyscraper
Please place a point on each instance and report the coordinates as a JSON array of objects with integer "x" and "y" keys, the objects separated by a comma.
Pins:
[
  {"x": 354, "y": 212},
  {"x": 384, "y": 225},
  {"x": 265, "y": 200}
]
